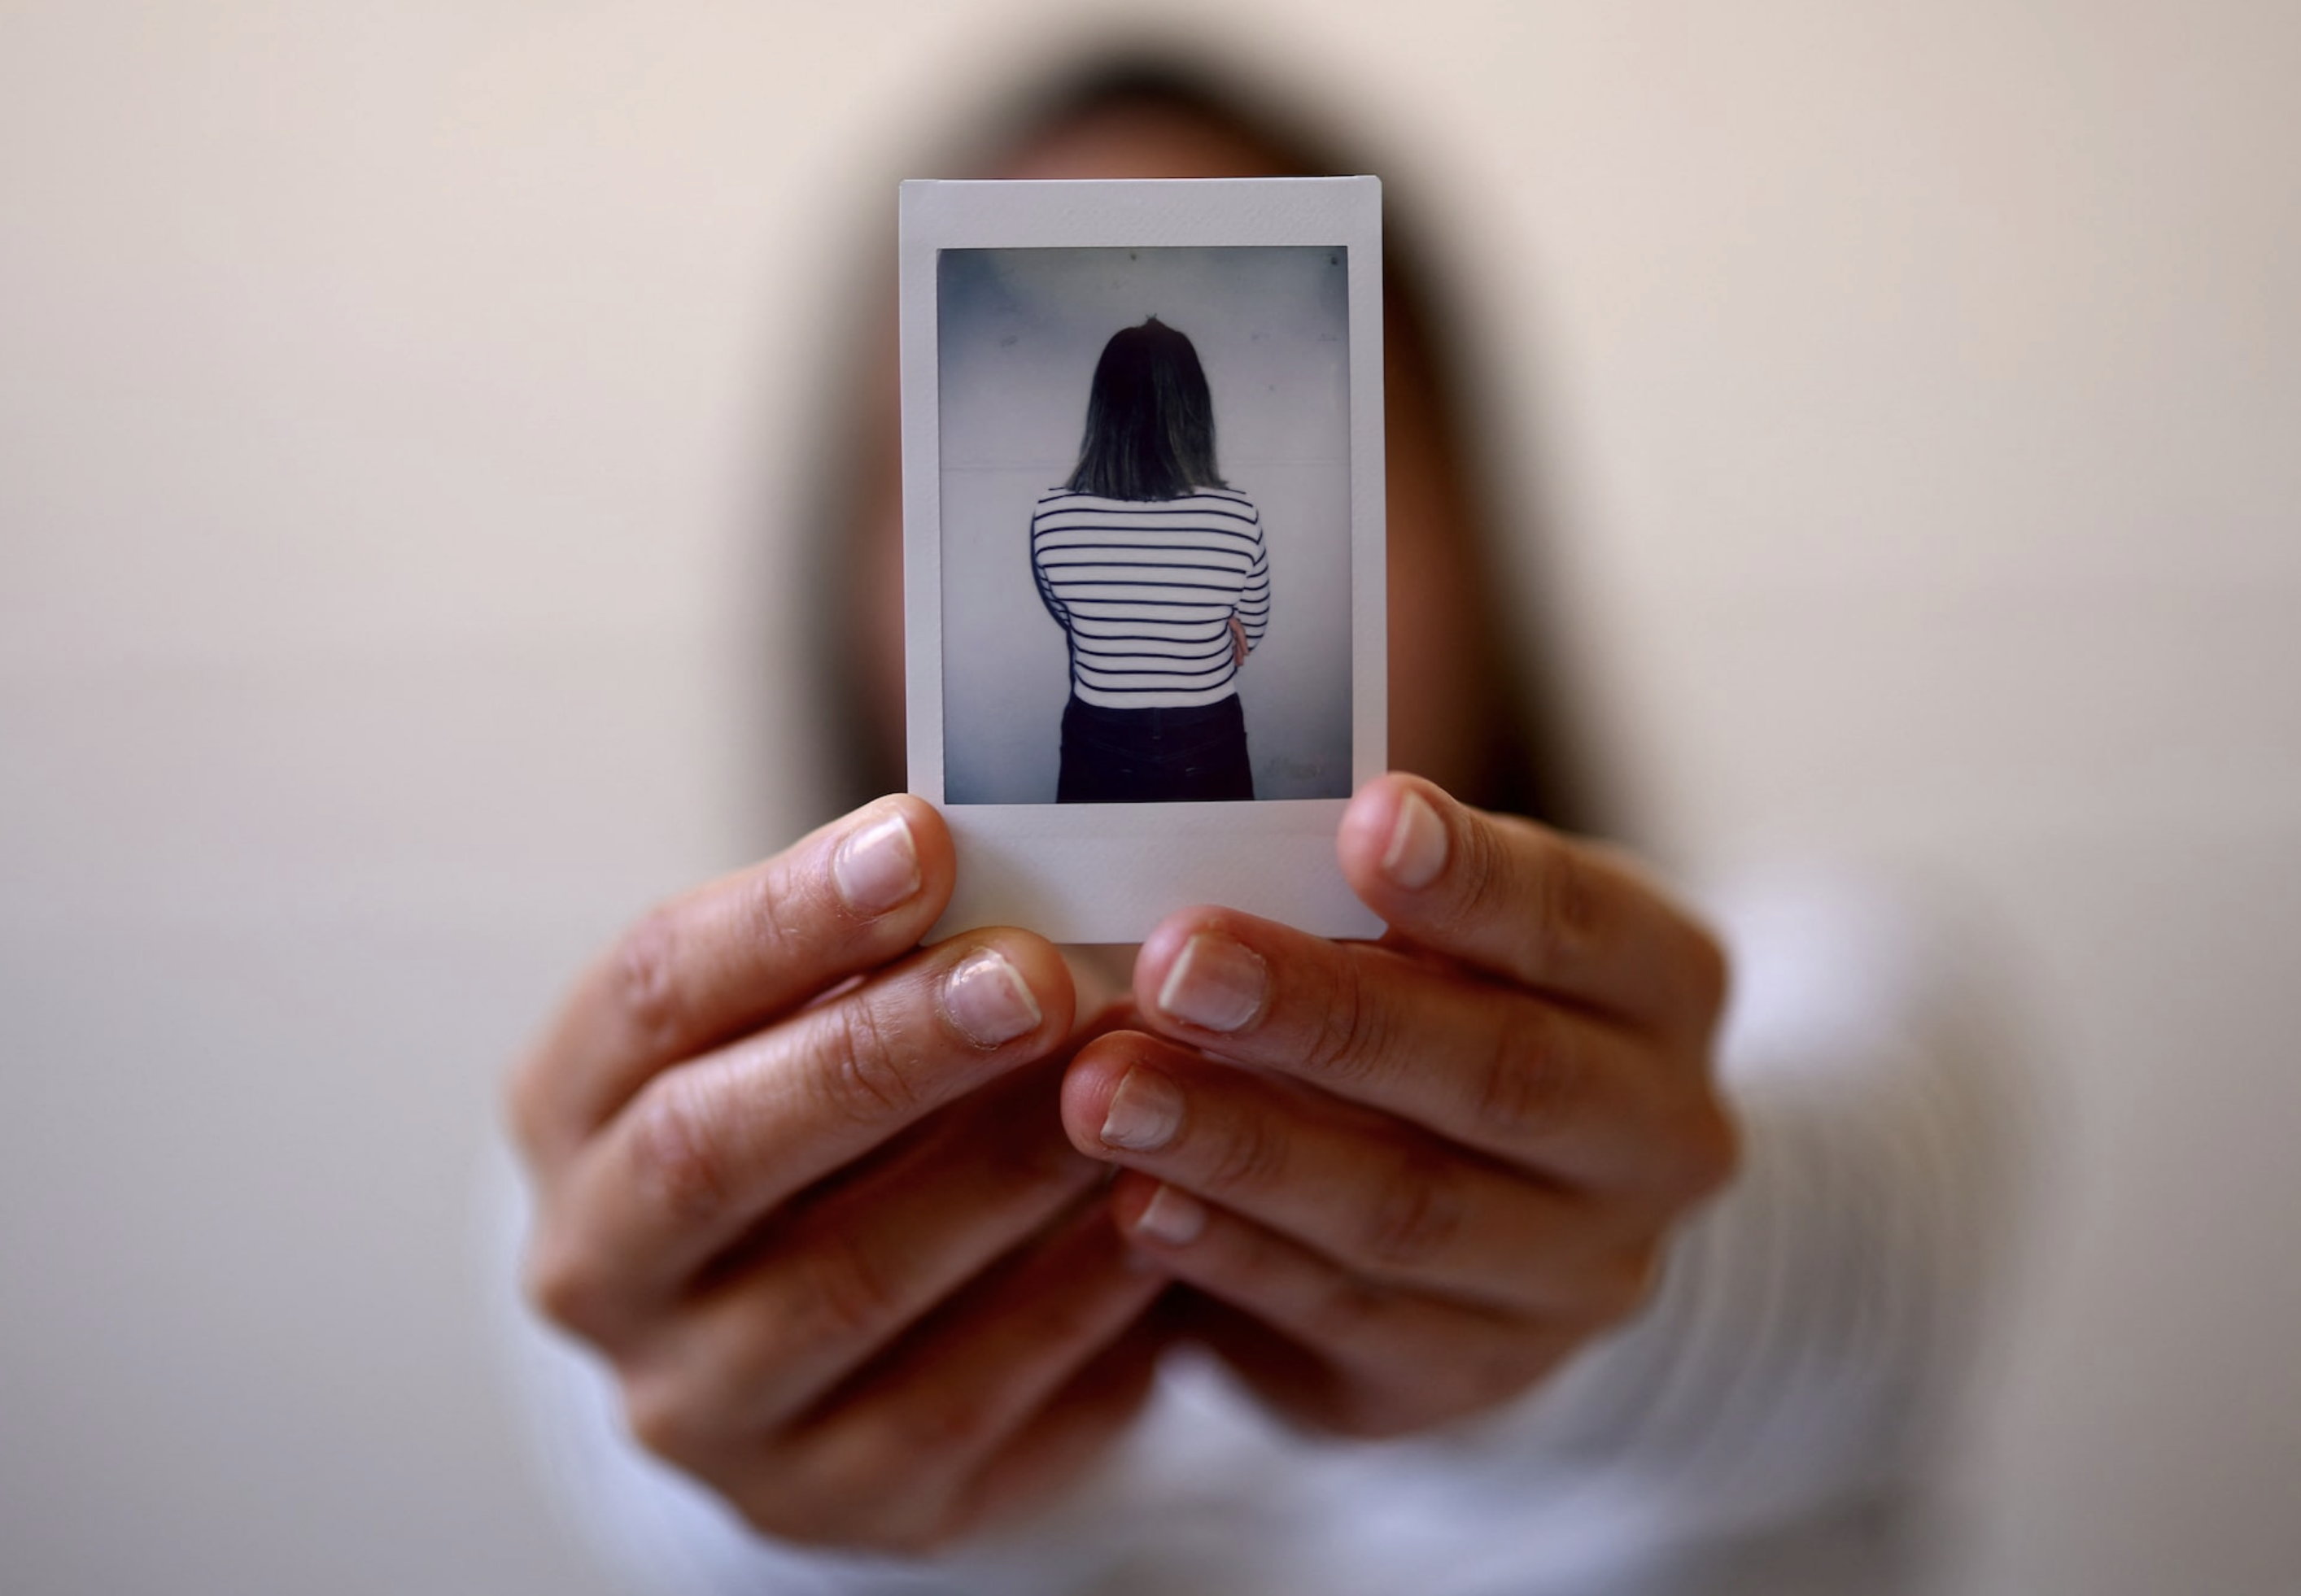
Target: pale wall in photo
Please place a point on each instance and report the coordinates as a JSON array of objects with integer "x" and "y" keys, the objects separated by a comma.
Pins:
[{"x": 1021, "y": 331}]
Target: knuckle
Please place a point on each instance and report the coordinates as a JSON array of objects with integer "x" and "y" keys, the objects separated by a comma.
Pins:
[
  {"x": 1710, "y": 973},
  {"x": 806, "y": 1488},
  {"x": 1710, "y": 1150},
  {"x": 893, "y": 1456},
  {"x": 531, "y": 1106},
  {"x": 1621, "y": 1289},
  {"x": 793, "y": 1490},
  {"x": 777, "y": 1510},
  {"x": 644, "y": 973},
  {"x": 1482, "y": 881},
  {"x": 912, "y": 1526},
  {"x": 1374, "y": 1406},
  {"x": 844, "y": 1294},
  {"x": 780, "y": 1506},
  {"x": 1252, "y": 1156},
  {"x": 1349, "y": 1311},
  {"x": 916, "y": 1535},
  {"x": 766, "y": 910},
  {"x": 846, "y": 1488},
  {"x": 1415, "y": 1214},
  {"x": 1562, "y": 923},
  {"x": 1531, "y": 1081},
  {"x": 679, "y": 1146},
  {"x": 949, "y": 1522},
  {"x": 867, "y": 1083},
  {"x": 660, "y": 1412},
  {"x": 956, "y": 1422},
  {"x": 1514, "y": 1362},
  {"x": 1354, "y": 1031},
  {"x": 561, "y": 1282}
]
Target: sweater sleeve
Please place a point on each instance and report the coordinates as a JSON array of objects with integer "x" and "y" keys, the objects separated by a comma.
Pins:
[
  {"x": 1814, "y": 1326},
  {"x": 1254, "y": 596},
  {"x": 1046, "y": 587}
]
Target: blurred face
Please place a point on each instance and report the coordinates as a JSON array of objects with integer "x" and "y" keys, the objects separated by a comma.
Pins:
[{"x": 1440, "y": 691}]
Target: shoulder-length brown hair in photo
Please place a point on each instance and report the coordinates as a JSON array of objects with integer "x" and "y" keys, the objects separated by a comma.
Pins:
[
  {"x": 1150, "y": 419},
  {"x": 1532, "y": 763}
]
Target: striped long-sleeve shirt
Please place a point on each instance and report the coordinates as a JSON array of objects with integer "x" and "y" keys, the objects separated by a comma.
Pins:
[{"x": 1145, "y": 590}]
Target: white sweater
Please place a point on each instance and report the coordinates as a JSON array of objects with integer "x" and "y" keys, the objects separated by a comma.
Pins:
[{"x": 1802, "y": 1352}]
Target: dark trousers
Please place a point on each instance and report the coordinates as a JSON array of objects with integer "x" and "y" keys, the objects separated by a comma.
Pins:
[{"x": 1154, "y": 756}]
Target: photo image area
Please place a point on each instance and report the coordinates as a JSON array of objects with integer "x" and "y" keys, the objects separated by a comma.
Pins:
[{"x": 1020, "y": 333}]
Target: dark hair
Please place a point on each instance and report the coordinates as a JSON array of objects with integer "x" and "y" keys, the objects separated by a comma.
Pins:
[
  {"x": 1150, "y": 419},
  {"x": 1541, "y": 760}
]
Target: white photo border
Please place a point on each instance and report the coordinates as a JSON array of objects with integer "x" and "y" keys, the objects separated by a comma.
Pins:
[{"x": 1108, "y": 873}]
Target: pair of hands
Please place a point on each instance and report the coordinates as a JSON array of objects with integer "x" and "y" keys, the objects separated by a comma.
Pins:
[{"x": 840, "y": 1211}]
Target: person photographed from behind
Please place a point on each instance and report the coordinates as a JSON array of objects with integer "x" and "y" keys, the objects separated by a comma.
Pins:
[
  {"x": 1157, "y": 571},
  {"x": 1274, "y": 1263}
]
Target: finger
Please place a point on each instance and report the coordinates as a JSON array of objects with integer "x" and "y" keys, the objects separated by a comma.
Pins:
[
  {"x": 730, "y": 956},
  {"x": 1066, "y": 1436},
  {"x": 1385, "y": 1361},
  {"x": 923, "y": 1427},
  {"x": 704, "y": 1152},
  {"x": 820, "y": 1294},
  {"x": 1380, "y": 1199},
  {"x": 1502, "y": 1070},
  {"x": 1568, "y": 917}
]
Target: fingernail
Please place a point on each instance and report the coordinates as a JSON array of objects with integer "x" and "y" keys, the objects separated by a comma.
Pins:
[
  {"x": 1144, "y": 1114},
  {"x": 1216, "y": 984},
  {"x": 877, "y": 867},
  {"x": 1172, "y": 1216},
  {"x": 1418, "y": 844},
  {"x": 986, "y": 998}
]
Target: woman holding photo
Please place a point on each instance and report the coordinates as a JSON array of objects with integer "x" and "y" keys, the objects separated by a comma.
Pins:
[{"x": 1280, "y": 1264}]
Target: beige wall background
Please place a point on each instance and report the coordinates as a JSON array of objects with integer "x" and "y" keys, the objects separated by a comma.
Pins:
[{"x": 389, "y": 399}]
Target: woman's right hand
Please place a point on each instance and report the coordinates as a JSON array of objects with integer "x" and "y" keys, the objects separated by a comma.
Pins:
[{"x": 804, "y": 1185}]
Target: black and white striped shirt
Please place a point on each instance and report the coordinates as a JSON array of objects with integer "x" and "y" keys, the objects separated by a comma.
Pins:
[{"x": 1145, "y": 590}]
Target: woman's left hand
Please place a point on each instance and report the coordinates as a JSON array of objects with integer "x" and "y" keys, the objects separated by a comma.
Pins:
[{"x": 1436, "y": 1164}]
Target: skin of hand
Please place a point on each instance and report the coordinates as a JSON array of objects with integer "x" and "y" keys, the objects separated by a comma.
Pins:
[
  {"x": 804, "y": 1184},
  {"x": 1416, "y": 1174},
  {"x": 1238, "y": 649},
  {"x": 832, "y": 1205}
]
